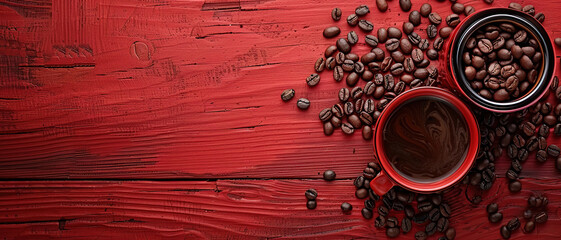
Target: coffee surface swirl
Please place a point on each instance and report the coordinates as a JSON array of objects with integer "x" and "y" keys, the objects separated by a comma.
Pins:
[{"x": 426, "y": 139}]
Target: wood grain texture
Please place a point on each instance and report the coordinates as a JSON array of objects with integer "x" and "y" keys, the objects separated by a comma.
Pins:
[
  {"x": 232, "y": 209},
  {"x": 166, "y": 89}
]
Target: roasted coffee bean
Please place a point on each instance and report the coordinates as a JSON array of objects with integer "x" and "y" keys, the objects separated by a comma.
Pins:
[
  {"x": 394, "y": 33},
  {"x": 338, "y": 73},
  {"x": 458, "y": 8},
  {"x": 438, "y": 43},
  {"x": 421, "y": 217},
  {"x": 424, "y": 206},
  {"x": 313, "y": 79},
  {"x": 414, "y": 38},
  {"x": 432, "y": 31},
  {"x": 442, "y": 225},
  {"x": 346, "y": 208},
  {"x": 511, "y": 174},
  {"x": 325, "y": 114},
  {"x": 329, "y": 175},
  {"x": 361, "y": 193},
  {"x": 407, "y": 27},
  {"x": 303, "y": 103},
  {"x": 352, "y": 79},
  {"x": 371, "y": 40},
  {"x": 505, "y": 233},
  {"x": 541, "y": 217},
  {"x": 362, "y": 10},
  {"x": 389, "y": 82},
  {"x": 423, "y": 44},
  {"x": 369, "y": 204},
  {"x": 515, "y": 6},
  {"x": 529, "y": 9},
  {"x": 396, "y": 69},
  {"x": 336, "y": 14},
  {"x": 344, "y": 94},
  {"x": 434, "y": 18},
  {"x": 382, "y": 5},
  {"x": 347, "y": 128},
  {"x": 392, "y": 44},
  {"x": 352, "y": 20},
  {"x": 434, "y": 214},
  {"x": 529, "y": 227},
  {"x": 495, "y": 217},
  {"x": 425, "y": 10},
  {"x": 432, "y": 54},
  {"x": 311, "y": 204},
  {"x": 415, "y": 18},
  {"x": 359, "y": 67},
  {"x": 409, "y": 211},
  {"x": 367, "y": 75},
  {"x": 453, "y": 20},
  {"x": 352, "y": 38},
  {"x": 485, "y": 45},
  {"x": 359, "y": 182},
  {"x": 406, "y": 225},
  {"x": 528, "y": 214},
  {"x": 553, "y": 150},
  {"x": 513, "y": 224},
  {"x": 380, "y": 221},
  {"x": 343, "y": 45},
  {"x": 328, "y": 128},
  {"x": 365, "y": 25},
  {"x": 311, "y": 194},
  {"x": 287, "y": 94},
  {"x": 445, "y": 32},
  {"x": 421, "y": 235},
  {"x": 542, "y": 143},
  {"x": 331, "y": 32},
  {"x": 398, "y": 56},
  {"x": 515, "y": 186},
  {"x": 329, "y": 51},
  {"x": 468, "y": 10},
  {"x": 392, "y": 232},
  {"x": 367, "y": 214},
  {"x": 430, "y": 228},
  {"x": 541, "y": 156}
]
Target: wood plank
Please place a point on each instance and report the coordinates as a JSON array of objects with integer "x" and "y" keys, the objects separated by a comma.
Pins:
[
  {"x": 232, "y": 209},
  {"x": 141, "y": 90}
]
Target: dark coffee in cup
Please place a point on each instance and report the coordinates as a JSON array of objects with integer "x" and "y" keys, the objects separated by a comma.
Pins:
[{"x": 426, "y": 139}]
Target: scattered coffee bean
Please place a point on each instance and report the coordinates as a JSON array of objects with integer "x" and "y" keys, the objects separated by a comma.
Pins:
[
  {"x": 352, "y": 20},
  {"x": 492, "y": 208},
  {"x": 425, "y": 10},
  {"x": 382, "y": 5},
  {"x": 331, "y": 32},
  {"x": 346, "y": 208},
  {"x": 362, "y": 10},
  {"x": 495, "y": 217},
  {"x": 287, "y": 94},
  {"x": 311, "y": 204},
  {"x": 303, "y": 103},
  {"x": 557, "y": 42},
  {"x": 392, "y": 232},
  {"x": 505, "y": 233},
  {"x": 434, "y": 18},
  {"x": 365, "y": 25},
  {"x": 366, "y": 213},
  {"x": 415, "y": 18},
  {"x": 329, "y": 175},
  {"x": 553, "y": 150},
  {"x": 458, "y": 8},
  {"x": 336, "y": 14},
  {"x": 405, "y": 5},
  {"x": 541, "y": 217},
  {"x": 529, "y": 227},
  {"x": 406, "y": 225},
  {"x": 421, "y": 235},
  {"x": 513, "y": 224}
]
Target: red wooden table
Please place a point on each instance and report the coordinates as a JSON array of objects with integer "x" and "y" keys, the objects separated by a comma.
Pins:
[{"x": 162, "y": 119}]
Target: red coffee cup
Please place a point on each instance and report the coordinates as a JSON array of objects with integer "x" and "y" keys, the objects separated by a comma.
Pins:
[{"x": 389, "y": 177}]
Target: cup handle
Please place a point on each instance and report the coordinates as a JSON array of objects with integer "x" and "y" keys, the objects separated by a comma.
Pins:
[{"x": 381, "y": 184}]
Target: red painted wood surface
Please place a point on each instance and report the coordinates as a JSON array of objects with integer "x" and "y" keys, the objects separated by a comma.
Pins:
[{"x": 189, "y": 90}]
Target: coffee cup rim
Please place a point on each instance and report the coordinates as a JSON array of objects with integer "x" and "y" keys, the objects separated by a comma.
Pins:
[{"x": 467, "y": 162}]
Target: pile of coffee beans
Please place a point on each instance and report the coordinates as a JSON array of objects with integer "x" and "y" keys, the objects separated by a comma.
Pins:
[
  {"x": 496, "y": 61},
  {"x": 502, "y": 61}
]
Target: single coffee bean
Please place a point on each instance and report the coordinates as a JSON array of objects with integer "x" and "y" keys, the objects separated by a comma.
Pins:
[
  {"x": 392, "y": 232},
  {"x": 421, "y": 235},
  {"x": 520, "y": 36},
  {"x": 445, "y": 32},
  {"x": 382, "y": 34},
  {"x": 361, "y": 193},
  {"x": 336, "y": 14},
  {"x": 505, "y": 233},
  {"x": 311, "y": 204},
  {"x": 405, "y": 5},
  {"x": 432, "y": 31},
  {"x": 347, "y": 128},
  {"x": 408, "y": 27},
  {"x": 367, "y": 132},
  {"x": 434, "y": 214},
  {"x": 320, "y": 65},
  {"x": 352, "y": 78},
  {"x": 495, "y": 217},
  {"x": 338, "y": 73},
  {"x": 343, "y": 45},
  {"x": 392, "y": 44},
  {"x": 359, "y": 67},
  {"x": 541, "y": 217},
  {"x": 367, "y": 75},
  {"x": 432, "y": 54},
  {"x": 287, "y": 94},
  {"x": 329, "y": 175},
  {"x": 398, "y": 56},
  {"x": 329, "y": 51},
  {"x": 406, "y": 225},
  {"x": 325, "y": 114},
  {"x": 515, "y": 186},
  {"x": 425, "y": 10},
  {"x": 311, "y": 194},
  {"x": 396, "y": 69},
  {"x": 434, "y": 18},
  {"x": 438, "y": 43},
  {"x": 371, "y": 40},
  {"x": 303, "y": 103},
  {"x": 450, "y": 234},
  {"x": 359, "y": 182},
  {"x": 515, "y": 6},
  {"x": 394, "y": 33},
  {"x": 362, "y": 10},
  {"x": 453, "y": 20},
  {"x": 414, "y": 38},
  {"x": 492, "y": 208},
  {"x": 328, "y": 128},
  {"x": 313, "y": 79},
  {"x": 367, "y": 214},
  {"x": 365, "y": 25},
  {"x": 352, "y": 20},
  {"x": 553, "y": 150},
  {"x": 485, "y": 45},
  {"x": 458, "y": 8},
  {"x": 529, "y": 9},
  {"x": 442, "y": 225},
  {"x": 380, "y": 221},
  {"x": 382, "y": 5},
  {"x": 352, "y": 38},
  {"x": 557, "y": 42},
  {"x": 541, "y": 156},
  {"x": 529, "y": 227},
  {"x": 331, "y": 32},
  {"x": 468, "y": 10},
  {"x": 528, "y": 214},
  {"x": 346, "y": 207},
  {"x": 430, "y": 228},
  {"x": 445, "y": 210},
  {"x": 415, "y": 18},
  {"x": 423, "y": 44},
  {"x": 513, "y": 224},
  {"x": 511, "y": 174}
]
